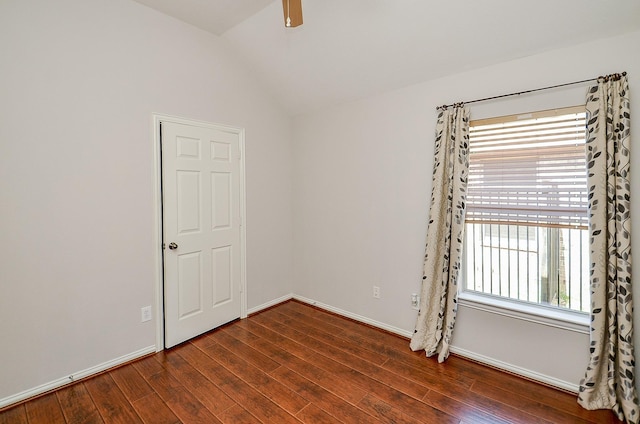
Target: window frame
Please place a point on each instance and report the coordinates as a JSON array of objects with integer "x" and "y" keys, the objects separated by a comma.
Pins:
[
  {"x": 552, "y": 316},
  {"x": 531, "y": 312}
]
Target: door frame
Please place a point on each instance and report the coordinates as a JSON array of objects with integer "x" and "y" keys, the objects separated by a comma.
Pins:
[{"x": 158, "y": 253}]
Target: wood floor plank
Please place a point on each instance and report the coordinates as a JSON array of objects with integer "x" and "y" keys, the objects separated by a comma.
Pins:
[
  {"x": 164, "y": 384},
  {"x": 283, "y": 351},
  {"x": 153, "y": 410},
  {"x": 524, "y": 404},
  {"x": 480, "y": 408},
  {"x": 77, "y": 405},
  {"x": 189, "y": 409},
  {"x": 325, "y": 335},
  {"x": 241, "y": 392},
  {"x": 45, "y": 409},
  {"x": 148, "y": 366},
  {"x": 422, "y": 375},
  {"x": 311, "y": 311},
  {"x": 329, "y": 373},
  {"x": 183, "y": 403},
  {"x": 394, "y": 347},
  {"x": 457, "y": 390},
  {"x": 376, "y": 374},
  {"x": 250, "y": 355},
  {"x": 210, "y": 395},
  {"x": 329, "y": 323},
  {"x": 311, "y": 414},
  {"x": 296, "y": 363},
  {"x": 15, "y": 415},
  {"x": 206, "y": 339},
  {"x": 487, "y": 405},
  {"x": 313, "y": 347},
  {"x": 280, "y": 394},
  {"x": 292, "y": 310},
  {"x": 388, "y": 414},
  {"x": 390, "y": 344},
  {"x": 531, "y": 390},
  {"x": 460, "y": 410},
  {"x": 415, "y": 407},
  {"x": 323, "y": 398},
  {"x": 366, "y": 371},
  {"x": 131, "y": 383},
  {"x": 111, "y": 403},
  {"x": 237, "y": 414},
  {"x": 424, "y": 411}
]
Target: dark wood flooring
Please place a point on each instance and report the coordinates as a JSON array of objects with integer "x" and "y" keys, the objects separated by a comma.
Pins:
[{"x": 295, "y": 363}]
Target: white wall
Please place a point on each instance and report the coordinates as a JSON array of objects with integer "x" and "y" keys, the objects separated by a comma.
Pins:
[
  {"x": 362, "y": 182},
  {"x": 79, "y": 81}
]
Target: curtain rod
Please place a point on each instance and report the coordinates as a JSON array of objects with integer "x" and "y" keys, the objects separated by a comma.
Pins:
[{"x": 612, "y": 77}]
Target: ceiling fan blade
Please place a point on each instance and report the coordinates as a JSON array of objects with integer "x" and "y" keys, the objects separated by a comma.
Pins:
[{"x": 292, "y": 12}]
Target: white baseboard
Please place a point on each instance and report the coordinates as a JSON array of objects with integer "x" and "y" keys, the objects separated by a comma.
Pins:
[
  {"x": 532, "y": 375},
  {"x": 356, "y": 317},
  {"x": 269, "y": 304},
  {"x": 43, "y": 388},
  {"x": 329, "y": 308}
]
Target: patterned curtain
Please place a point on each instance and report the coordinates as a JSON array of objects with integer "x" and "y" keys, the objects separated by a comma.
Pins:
[
  {"x": 609, "y": 381},
  {"x": 438, "y": 299}
]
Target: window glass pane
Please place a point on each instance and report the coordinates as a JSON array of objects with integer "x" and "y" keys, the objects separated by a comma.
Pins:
[{"x": 526, "y": 225}]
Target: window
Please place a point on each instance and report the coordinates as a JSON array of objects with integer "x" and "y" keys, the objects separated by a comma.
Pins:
[{"x": 526, "y": 226}]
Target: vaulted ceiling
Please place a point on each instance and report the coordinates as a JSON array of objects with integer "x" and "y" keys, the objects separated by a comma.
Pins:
[{"x": 350, "y": 49}]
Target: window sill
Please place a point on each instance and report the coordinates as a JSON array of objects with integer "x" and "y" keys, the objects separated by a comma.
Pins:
[{"x": 567, "y": 320}]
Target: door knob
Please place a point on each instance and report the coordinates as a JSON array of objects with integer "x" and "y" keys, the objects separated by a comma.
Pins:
[{"x": 173, "y": 246}]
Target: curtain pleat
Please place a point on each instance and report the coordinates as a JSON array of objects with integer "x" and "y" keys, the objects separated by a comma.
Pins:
[
  {"x": 438, "y": 299},
  {"x": 609, "y": 381}
]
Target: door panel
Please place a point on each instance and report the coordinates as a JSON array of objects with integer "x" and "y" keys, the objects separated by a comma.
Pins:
[
  {"x": 220, "y": 200},
  {"x": 201, "y": 215},
  {"x": 189, "y": 284},
  {"x": 188, "y": 201},
  {"x": 222, "y": 281}
]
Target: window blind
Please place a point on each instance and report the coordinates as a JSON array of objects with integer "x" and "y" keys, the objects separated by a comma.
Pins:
[{"x": 529, "y": 170}]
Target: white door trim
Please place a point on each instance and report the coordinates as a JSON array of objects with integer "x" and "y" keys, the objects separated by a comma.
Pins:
[{"x": 157, "y": 221}]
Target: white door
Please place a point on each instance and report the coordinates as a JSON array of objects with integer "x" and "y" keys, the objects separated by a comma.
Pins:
[{"x": 201, "y": 228}]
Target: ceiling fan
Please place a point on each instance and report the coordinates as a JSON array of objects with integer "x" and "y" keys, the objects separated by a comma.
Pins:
[{"x": 292, "y": 13}]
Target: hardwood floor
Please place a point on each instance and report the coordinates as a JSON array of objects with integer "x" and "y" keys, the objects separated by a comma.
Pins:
[{"x": 295, "y": 363}]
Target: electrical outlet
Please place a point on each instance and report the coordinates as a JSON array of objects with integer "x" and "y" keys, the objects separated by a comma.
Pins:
[
  {"x": 376, "y": 292},
  {"x": 146, "y": 314},
  {"x": 415, "y": 301}
]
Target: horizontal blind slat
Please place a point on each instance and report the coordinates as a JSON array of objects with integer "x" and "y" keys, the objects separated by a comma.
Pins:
[{"x": 529, "y": 172}]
